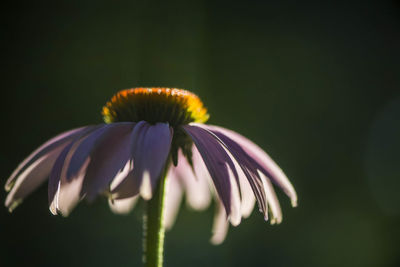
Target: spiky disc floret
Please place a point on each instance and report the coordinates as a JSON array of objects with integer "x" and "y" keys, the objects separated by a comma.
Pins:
[{"x": 175, "y": 106}]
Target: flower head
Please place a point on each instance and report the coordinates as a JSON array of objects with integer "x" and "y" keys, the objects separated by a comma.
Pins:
[{"x": 149, "y": 131}]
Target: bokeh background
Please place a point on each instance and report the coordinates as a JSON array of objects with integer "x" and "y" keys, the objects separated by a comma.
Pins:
[{"x": 316, "y": 84}]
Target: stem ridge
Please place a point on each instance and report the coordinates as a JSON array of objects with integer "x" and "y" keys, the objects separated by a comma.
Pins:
[{"x": 153, "y": 225}]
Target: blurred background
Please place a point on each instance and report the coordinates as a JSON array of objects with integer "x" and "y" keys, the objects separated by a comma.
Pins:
[{"x": 316, "y": 84}]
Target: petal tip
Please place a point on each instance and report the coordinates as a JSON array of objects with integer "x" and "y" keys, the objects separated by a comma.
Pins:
[
  {"x": 294, "y": 202},
  {"x": 53, "y": 210},
  {"x": 235, "y": 221},
  {"x": 216, "y": 241},
  {"x": 8, "y": 187},
  {"x": 218, "y": 238},
  {"x": 12, "y": 204}
]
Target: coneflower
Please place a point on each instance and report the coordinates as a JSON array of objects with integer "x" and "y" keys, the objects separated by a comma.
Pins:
[{"x": 154, "y": 144}]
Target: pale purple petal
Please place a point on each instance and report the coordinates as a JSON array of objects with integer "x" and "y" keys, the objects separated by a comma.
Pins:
[
  {"x": 119, "y": 178},
  {"x": 197, "y": 189},
  {"x": 100, "y": 135},
  {"x": 108, "y": 159},
  {"x": 68, "y": 184},
  {"x": 150, "y": 149},
  {"x": 200, "y": 169},
  {"x": 128, "y": 186},
  {"x": 55, "y": 175},
  {"x": 67, "y": 195},
  {"x": 248, "y": 199},
  {"x": 46, "y": 148},
  {"x": 275, "y": 208},
  {"x": 236, "y": 215},
  {"x": 124, "y": 205},
  {"x": 57, "y": 168},
  {"x": 58, "y": 176},
  {"x": 34, "y": 170},
  {"x": 247, "y": 167},
  {"x": 243, "y": 200},
  {"x": 261, "y": 160},
  {"x": 220, "y": 225},
  {"x": 251, "y": 165},
  {"x": 63, "y": 201},
  {"x": 247, "y": 196},
  {"x": 174, "y": 194},
  {"x": 31, "y": 178},
  {"x": 217, "y": 161}
]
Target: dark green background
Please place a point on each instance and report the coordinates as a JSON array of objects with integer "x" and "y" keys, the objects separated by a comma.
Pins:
[{"x": 316, "y": 84}]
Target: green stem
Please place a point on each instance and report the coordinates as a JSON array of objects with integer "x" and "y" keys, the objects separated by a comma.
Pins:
[{"x": 153, "y": 226}]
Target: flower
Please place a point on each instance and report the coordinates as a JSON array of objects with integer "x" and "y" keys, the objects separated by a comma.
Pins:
[{"x": 148, "y": 131}]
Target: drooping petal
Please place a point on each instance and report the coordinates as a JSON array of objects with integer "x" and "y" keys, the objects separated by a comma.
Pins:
[
  {"x": 247, "y": 167},
  {"x": 150, "y": 149},
  {"x": 260, "y": 158},
  {"x": 85, "y": 149},
  {"x": 220, "y": 225},
  {"x": 248, "y": 199},
  {"x": 124, "y": 205},
  {"x": 63, "y": 201},
  {"x": 108, "y": 159},
  {"x": 235, "y": 216},
  {"x": 174, "y": 194},
  {"x": 78, "y": 152},
  {"x": 252, "y": 165},
  {"x": 247, "y": 196},
  {"x": 197, "y": 188},
  {"x": 244, "y": 198},
  {"x": 71, "y": 167},
  {"x": 182, "y": 180},
  {"x": 125, "y": 187},
  {"x": 34, "y": 170},
  {"x": 67, "y": 195},
  {"x": 31, "y": 178},
  {"x": 44, "y": 149},
  {"x": 274, "y": 206},
  {"x": 199, "y": 167},
  {"x": 54, "y": 179},
  {"x": 58, "y": 169},
  {"x": 119, "y": 178},
  {"x": 217, "y": 161}
]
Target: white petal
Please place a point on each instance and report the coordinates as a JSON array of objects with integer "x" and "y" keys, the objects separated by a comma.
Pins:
[
  {"x": 47, "y": 148},
  {"x": 272, "y": 170},
  {"x": 197, "y": 189},
  {"x": 31, "y": 178},
  {"x": 220, "y": 225},
  {"x": 173, "y": 200},
  {"x": 247, "y": 199},
  {"x": 247, "y": 196},
  {"x": 219, "y": 165},
  {"x": 273, "y": 202},
  {"x": 150, "y": 149},
  {"x": 68, "y": 192},
  {"x": 235, "y": 216}
]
